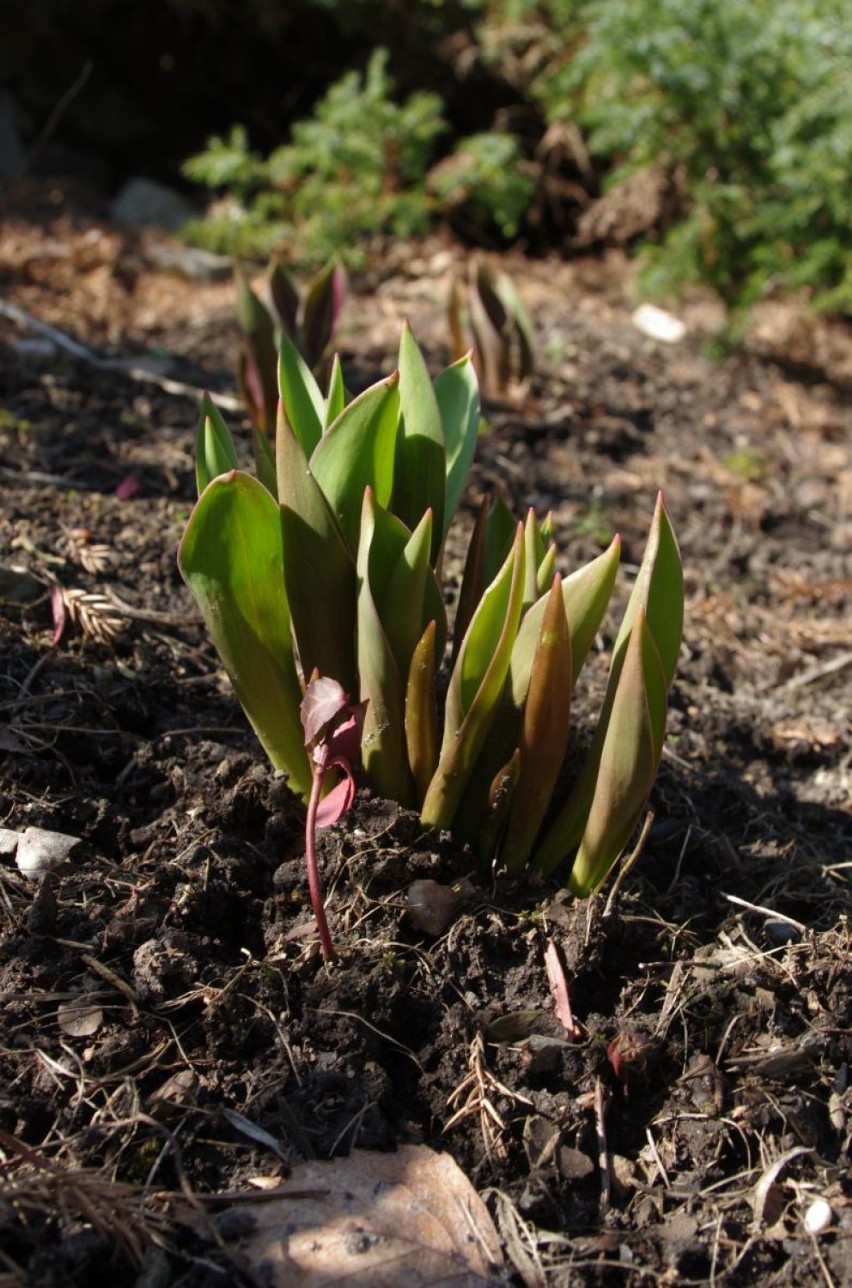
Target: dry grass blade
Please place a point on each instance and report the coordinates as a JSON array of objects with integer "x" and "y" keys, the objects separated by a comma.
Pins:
[
  {"x": 95, "y": 614},
  {"x": 473, "y": 1096},
  {"x": 94, "y": 557},
  {"x": 520, "y": 1239},
  {"x": 558, "y": 982}
]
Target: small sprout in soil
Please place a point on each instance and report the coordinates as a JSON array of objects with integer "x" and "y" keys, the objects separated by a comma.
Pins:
[
  {"x": 631, "y": 1055},
  {"x": 391, "y": 963},
  {"x": 332, "y": 726}
]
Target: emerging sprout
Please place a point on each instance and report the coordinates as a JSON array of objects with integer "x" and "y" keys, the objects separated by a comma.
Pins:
[{"x": 332, "y": 726}]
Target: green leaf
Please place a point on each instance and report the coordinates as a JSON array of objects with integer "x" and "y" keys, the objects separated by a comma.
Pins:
[
  {"x": 304, "y": 405},
  {"x": 252, "y": 314},
  {"x": 490, "y": 542},
  {"x": 546, "y": 569},
  {"x": 357, "y": 452},
  {"x": 521, "y": 324},
  {"x": 412, "y": 596},
  {"x": 319, "y": 573},
  {"x": 488, "y": 826},
  {"x": 420, "y": 470},
  {"x": 456, "y": 321},
  {"x": 544, "y": 731},
  {"x": 383, "y": 739},
  {"x": 264, "y": 460},
  {"x": 231, "y": 558},
  {"x": 336, "y": 400},
  {"x": 475, "y": 686},
  {"x": 457, "y": 392},
  {"x": 534, "y": 555},
  {"x": 250, "y": 388},
  {"x": 629, "y": 760},
  {"x": 489, "y": 322},
  {"x": 421, "y": 712},
  {"x": 586, "y": 594},
  {"x": 214, "y": 448},
  {"x": 584, "y": 599},
  {"x": 659, "y": 591}
]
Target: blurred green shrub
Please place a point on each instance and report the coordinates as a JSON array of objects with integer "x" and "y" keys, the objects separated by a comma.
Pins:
[
  {"x": 745, "y": 110},
  {"x": 353, "y": 170},
  {"x": 748, "y": 106},
  {"x": 485, "y": 183},
  {"x": 751, "y": 105}
]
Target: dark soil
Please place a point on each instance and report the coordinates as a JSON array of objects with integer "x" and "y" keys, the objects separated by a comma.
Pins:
[{"x": 167, "y": 977}]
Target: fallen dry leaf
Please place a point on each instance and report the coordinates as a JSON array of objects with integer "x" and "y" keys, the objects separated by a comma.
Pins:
[
  {"x": 40, "y": 851},
  {"x": 408, "y": 1218}
]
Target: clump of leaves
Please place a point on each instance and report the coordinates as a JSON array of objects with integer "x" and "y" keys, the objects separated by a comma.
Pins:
[
  {"x": 308, "y": 318},
  {"x": 486, "y": 313},
  {"x": 329, "y": 566}
]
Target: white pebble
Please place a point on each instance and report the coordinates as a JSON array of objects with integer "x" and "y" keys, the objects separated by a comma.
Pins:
[{"x": 818, "y": 1217}]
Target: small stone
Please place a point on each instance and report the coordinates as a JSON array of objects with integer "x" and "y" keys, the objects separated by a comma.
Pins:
[
  {"x": 818, "y": 1217},
  {"x": 431, "y": 906},
  {"x": 658, "y": 324},
  {"x": 191, "y": 262},
  {"x": 781, "y": 932},
  {"x": 144, "y": 203},
  {"x": 18, "y": 586},
  {"x": 8, "y": 841}
]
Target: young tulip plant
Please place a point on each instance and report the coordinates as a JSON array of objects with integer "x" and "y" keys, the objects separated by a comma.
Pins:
[
  {"x": 308, "y": 318},
  {"x": 487, "y": 314},
  {"x": 327, "y": 566}
]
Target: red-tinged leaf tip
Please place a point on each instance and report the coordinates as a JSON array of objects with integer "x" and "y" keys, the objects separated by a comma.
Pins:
[
  {"x": 323, "y": 702},
  {"x": 129, "y": 486}
]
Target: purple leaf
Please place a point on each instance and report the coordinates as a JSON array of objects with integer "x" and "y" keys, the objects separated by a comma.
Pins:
[
  {"x": 129, "y": 486},
  {"x": 323, "y": 702},
  {"x": 344, "y": 743},
  {"x": 338, "y": 801}
]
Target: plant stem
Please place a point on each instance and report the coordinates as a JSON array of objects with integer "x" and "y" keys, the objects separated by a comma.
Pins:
[{"x": 313, "y": 868}]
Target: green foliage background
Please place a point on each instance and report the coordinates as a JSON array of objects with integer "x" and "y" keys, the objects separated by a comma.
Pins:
[{"x": 746, "y": 111}]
